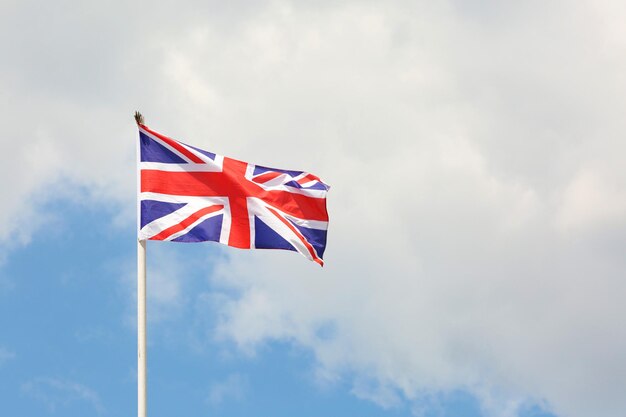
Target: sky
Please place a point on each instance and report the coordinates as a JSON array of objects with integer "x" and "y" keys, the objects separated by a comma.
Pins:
[{"x": 475, "y": 263}]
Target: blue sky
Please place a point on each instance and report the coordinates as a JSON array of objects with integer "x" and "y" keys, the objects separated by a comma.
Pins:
[
  {"x": 69, "y": 339},
  {"x": 68, "y": 312},
  {"x": 474, "y": 264}
]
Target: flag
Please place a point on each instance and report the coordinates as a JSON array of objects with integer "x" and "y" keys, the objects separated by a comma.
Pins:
[{"x": 187, "y": 194}]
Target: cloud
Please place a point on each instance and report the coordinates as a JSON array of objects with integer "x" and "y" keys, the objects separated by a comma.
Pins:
[
  {"x": 232, "y": 388},
  {"x": 6, "y": 355},
  {"x": 385, "y": 396},
  {"x": 593, "y": 199},
  {"x": 165, "y": 286},
  {"x": 475, "y": 152},
  {"x": 56, "y": 393},
  {"x": 165, "y": 294}
]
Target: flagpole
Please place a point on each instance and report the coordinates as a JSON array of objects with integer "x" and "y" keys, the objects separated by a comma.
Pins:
[
  {"x": 141, "y": 303},
  {"x": 141, "y": 329}
]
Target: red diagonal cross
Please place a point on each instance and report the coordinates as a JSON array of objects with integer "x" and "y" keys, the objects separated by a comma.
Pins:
[{"x": 233, "y": 184}]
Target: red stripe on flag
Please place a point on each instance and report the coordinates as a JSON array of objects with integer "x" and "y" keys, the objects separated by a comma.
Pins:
[
  {"x": 186, "y": 223},
  {"x": 218, "y": 184},
  {"x": 268, "y": 176},
  {"x": 299, "y": 235},
  {"x": 308, "y": 178}
]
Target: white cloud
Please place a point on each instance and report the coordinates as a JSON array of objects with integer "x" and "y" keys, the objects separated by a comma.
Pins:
[
  {"x": 232, "y": 388},
  {"x": 6, "y": 355},
  {"x": 385, "y": 396},
  {"x": 164, "y": 286},
  {"x": 57, "y": 393},
  {"x": 475, "y": 152},
  {"x": 593, "y": 200}
]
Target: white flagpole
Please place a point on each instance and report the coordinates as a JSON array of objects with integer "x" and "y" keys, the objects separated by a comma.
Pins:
[
  {"x": 141, "y": 302},
  {"x": 141, "y": 328}
]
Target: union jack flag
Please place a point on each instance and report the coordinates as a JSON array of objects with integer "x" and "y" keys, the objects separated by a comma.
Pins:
[{"x": 190, "y": 195}]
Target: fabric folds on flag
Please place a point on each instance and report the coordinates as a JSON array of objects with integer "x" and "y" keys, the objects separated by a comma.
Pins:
[{"x": 187, "y": 194}]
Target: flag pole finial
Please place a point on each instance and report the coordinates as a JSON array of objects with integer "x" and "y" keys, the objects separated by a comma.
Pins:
[{"x": 139, "y": 118}]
